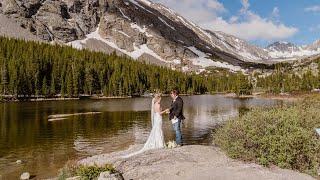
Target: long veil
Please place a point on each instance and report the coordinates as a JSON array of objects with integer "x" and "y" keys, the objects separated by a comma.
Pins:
[
  {"x": 152, "y": 122},
  {"x": 152, "y": 112}
]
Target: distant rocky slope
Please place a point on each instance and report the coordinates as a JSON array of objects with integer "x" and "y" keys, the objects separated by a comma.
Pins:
[
  {"x": 285, "y": 50},
  {"x": 10, "y": 28},
  {"x": 137, "y": 28}
]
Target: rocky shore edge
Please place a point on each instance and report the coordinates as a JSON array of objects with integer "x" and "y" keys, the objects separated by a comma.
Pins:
[{"x": 188, "y": 162}]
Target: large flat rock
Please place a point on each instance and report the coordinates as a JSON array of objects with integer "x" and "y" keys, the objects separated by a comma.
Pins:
[{"x": 190, "y": 162}]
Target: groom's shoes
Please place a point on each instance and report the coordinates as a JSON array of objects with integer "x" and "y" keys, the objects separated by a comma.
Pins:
[{"x": 179, "y": 145}]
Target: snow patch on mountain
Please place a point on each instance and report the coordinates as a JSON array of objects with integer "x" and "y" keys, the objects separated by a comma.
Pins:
[
  {"x": 135, "y": 26},
  {"x": 124, "y": 14},
  {"x": 166, "y": 23},
  {"x": 142, "y": 30},
  {"x": 137, "y": 3},
  {"x": 138, "y": 51},
  {"x": 204, "y": 61},
  {"x": 146, "y": 2}
]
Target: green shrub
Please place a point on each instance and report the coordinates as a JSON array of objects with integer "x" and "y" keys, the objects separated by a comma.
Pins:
[
  {"x": 283, "y": 136},
  {"x": 85, "y": 172},
  {"x": 69, "y": 170},
  {"x": 92, "y": 172}
]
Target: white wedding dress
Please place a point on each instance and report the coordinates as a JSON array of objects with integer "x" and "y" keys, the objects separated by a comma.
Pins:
[{"x": 156, "y": 138}]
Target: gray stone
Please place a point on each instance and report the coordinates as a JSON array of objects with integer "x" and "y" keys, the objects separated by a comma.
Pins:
[
  {"x": 25, "y": 176},
  {"x": 74, "y": 178},
  {"x": 18, "y": 161},
  {"x": 110, "y": 176}
]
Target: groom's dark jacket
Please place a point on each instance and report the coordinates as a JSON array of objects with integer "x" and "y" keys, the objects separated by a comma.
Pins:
[{"x": 176, "y": 109}]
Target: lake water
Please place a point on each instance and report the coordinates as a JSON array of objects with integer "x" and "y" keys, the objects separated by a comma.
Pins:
[{"x": 44, "y": 147}]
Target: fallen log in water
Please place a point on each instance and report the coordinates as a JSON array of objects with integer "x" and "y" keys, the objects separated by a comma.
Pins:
[
  {"x": 56, "y": 119},
  {"x": 56, "y": 116}
]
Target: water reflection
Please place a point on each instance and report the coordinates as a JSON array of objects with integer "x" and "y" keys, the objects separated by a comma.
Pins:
[{"x": 26, "y": 134}]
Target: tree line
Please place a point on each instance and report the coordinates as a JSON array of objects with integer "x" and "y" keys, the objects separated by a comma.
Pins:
[
  {"x": 33, "y": 69},
  {"x": 285, "y": 79}
]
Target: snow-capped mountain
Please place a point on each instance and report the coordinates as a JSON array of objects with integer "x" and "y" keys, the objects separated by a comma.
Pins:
[
  {"x": 315, "y": 46},
  {"x": 140, "y": 29},
  {"x": 285, "y": 50},
  {"x": 238, "y": 47},
  {"x": 282, "y": 47}
]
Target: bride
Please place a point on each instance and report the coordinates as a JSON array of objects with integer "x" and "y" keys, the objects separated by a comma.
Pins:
[{"x": 156, "y": 138}]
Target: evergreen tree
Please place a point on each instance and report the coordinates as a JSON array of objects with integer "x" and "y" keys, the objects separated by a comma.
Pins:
[
  {"x": 44, "y": 87},
  {"x": 52, "y": 86},
  {"x": 69, "y": 82},
  {"x": 3, "y": 76}
]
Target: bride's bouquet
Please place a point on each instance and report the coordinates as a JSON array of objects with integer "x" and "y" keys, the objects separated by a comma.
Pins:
[{"x": 171, "y": 144}]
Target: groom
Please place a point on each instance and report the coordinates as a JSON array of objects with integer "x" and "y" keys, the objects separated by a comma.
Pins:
[{"x": 176, "y": 115}]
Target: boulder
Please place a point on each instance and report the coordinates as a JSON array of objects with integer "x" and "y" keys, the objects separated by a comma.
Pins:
[
  {"x": 25, "y": 176},
  {"x": 18, "y": 161},
  {"x": 107, "y": 175},
  {"x": 74, "y": 178}
]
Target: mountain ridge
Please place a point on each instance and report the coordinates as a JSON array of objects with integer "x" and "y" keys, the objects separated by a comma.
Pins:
[
  {"x": 281, "y": 49},
  {"x": 140, "y": 29}
]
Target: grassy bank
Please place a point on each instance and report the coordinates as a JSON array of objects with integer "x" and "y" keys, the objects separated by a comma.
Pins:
[
  {"x": 282, "y": 136},
  {"x": 85, "y": 172}
]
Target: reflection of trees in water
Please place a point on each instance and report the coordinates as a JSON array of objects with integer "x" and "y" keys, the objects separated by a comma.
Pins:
[
  {"x": 46, "y": 146},
  {"x": 18, "y": 132},
  {"x": 243, "y": 106},
  {"x": 243, "y": 110}
]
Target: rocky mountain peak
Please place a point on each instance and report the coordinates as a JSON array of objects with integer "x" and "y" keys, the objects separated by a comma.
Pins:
[
  {"x": 283, "y": 46},
  {"x": 315, "y": 46},
  {"x": 287, "y": 50}
]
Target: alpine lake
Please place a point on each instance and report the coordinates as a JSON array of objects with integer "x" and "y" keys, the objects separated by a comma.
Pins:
[{"x": 29, "y": 142}]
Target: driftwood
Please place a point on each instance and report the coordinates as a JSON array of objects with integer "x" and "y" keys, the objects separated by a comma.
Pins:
[
  {"x": 57, "y": 119},
  {"x": 61, "y": 116}
]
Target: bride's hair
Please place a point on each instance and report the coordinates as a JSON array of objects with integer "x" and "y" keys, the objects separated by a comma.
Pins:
[{"x": 157, "y": 96}]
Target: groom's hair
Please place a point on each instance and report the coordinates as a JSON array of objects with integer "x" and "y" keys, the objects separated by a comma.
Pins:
[{"x": 175, "y": 92}]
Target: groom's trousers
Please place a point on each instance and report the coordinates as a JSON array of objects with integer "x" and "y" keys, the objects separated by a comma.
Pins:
[{"x": 177, "y": 129}]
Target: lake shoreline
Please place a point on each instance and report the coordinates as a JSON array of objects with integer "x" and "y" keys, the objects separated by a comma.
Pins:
[
  {"x": 281, "y": 96},
  {"x": 10, "y": 98},
  {"x": 4, "y": 99},
  {"x": 187, "y": 162}
]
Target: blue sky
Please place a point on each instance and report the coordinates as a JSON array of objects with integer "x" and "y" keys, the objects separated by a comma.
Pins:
[{"x": 258, "y": 21}]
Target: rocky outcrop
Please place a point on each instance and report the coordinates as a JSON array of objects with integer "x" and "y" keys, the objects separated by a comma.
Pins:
[
  {"x": 283, "y": 47},
  {"x": 189, "y": 162},
  {"x": 118, "y": 26},
  {"x": 10, "y": 28},
  {"x": 62, "y": 20}
]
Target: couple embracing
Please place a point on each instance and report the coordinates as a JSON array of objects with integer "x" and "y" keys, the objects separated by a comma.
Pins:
[{"x": 156, "y": 138}]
